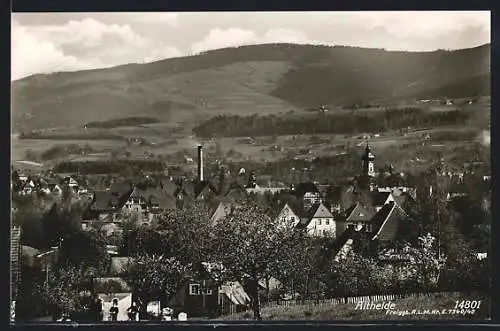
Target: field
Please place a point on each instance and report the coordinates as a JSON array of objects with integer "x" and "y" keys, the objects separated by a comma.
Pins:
[
  {"x": 175, "y": 142},
  {"x": 346, "y": 312}
]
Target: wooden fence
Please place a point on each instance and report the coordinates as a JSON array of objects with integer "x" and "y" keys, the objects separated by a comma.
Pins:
[{"x": 353, "y": 300}]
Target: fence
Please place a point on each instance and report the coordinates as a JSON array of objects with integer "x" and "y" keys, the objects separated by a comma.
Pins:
[{"x": 353, "y": 300}]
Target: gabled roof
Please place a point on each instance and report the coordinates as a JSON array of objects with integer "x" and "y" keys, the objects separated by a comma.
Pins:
[
  {"x": 359, "y": 213},
  {"x": 379, "y": 198},
  {"x": 136, "y": 193},
  {"x": 387, "y": 221},
  {"x": 160, "y": 197},
  {"x": 285, "y": 210},
  {"x": 319, "y": 211},
  {"x": 104, "y": 200}
]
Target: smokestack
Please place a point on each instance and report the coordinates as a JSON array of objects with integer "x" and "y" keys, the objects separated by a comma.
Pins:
[{"x": 200, "y": 163}]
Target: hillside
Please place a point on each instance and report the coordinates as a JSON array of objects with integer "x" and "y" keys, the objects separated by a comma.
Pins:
[{"x": 263, "y": 79}]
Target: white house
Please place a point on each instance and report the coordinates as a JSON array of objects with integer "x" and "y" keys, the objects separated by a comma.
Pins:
[
  {"x": 288, "y": 216},
  {"x": 321, "y": 222}
]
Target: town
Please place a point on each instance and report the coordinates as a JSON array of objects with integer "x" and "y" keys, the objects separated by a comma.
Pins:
[
  {"x": 105, "y": 233},
  {"x": 205, "y": 167}
]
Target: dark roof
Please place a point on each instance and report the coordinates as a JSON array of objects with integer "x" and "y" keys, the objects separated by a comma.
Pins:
[
  {"x": 388, "y": 221},
  {"x": 202, "y": 186},
  {"x": 160, "y": 197},
  {"x": 379, "y": 198},
  {"x": 359, "y": 213},
  {"x": 105, "y": 200}
]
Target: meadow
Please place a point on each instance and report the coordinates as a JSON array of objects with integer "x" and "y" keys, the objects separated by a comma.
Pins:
[{"x": 347, "y": 312}]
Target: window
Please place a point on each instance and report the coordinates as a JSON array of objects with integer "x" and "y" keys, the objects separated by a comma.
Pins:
[
  {"x": 327, "y": 221},
  {"x": 319, "y": 221},
  {"x": 207, "y": 291},
  {"x": 194, "y": 289}
]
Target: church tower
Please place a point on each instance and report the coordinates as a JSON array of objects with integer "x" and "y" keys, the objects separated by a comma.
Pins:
[{"x": 368, "y": 160}]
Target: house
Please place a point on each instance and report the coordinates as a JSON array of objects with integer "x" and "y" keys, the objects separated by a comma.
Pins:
[
  {"x": 110, "y": 288},
  {"x": 388, "y": 222},
  {"x": 359, "y": 215},
  {"x": 288, "y": 216},
  {"x": 309, "y": 192},
  {"x": 319, "y": 221},
  {"x": 28, "y": 188},
  {"x": 194, "y": 190},
  {"x": 54, "y": 187}
]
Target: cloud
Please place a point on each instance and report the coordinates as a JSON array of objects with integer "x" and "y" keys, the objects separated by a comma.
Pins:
[
  {"x": 87, "y": 33},
  {"x": 33, "y": 55},
  {"x": 80, "y": 44},
  {"x": 232, "y": 37}
]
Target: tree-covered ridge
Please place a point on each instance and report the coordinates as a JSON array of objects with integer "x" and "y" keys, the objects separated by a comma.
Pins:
[
  {"x": 118, "y": 122},
  {"x": 340, "y": 123}
]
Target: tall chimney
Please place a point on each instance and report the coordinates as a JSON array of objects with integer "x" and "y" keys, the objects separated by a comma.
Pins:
[{"x": 200, "y": 163}]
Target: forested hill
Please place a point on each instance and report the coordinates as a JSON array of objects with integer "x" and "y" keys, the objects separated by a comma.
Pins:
[{"x": 263, "y": 79}]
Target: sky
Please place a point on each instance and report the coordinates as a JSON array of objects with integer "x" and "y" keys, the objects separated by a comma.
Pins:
[{"x": 52, "y": 42}]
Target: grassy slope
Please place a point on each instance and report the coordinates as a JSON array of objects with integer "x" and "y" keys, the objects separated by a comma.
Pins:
[
  {"x": 245, "y": 80},
  {"x": 346, "y": 312}
]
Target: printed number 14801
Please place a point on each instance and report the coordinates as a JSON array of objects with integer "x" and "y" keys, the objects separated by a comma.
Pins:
[{"x": 466, "y": 304}]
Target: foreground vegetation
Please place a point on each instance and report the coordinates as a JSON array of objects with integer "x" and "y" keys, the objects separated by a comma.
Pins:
[{"x": 346, "y": 312}]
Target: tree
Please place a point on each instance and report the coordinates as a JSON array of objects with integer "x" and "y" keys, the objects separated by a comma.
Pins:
[
  {"x": 247, "y": 245},
  {"x": 299, "y": 271},
  {"x": 349, "y": 276},
  {"x": 424, "y": 263},
  {"x": 65, "y": 290},
  {"x": 187, "y": 233},
  {"x": 155, "y": 276}
]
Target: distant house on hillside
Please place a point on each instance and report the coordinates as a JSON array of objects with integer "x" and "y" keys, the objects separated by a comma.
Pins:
[{"x": 287, "y": 216}]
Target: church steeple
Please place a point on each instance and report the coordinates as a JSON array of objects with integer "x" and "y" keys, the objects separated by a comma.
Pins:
[{"x": 368, "y": 162}]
